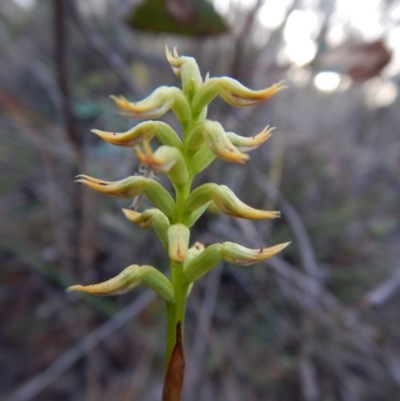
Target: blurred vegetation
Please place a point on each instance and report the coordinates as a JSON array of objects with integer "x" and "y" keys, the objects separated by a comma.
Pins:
[{"x": 320, "y": 323}]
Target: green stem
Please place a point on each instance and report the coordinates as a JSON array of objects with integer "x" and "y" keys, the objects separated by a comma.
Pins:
[{"x": 176, "y": 310}]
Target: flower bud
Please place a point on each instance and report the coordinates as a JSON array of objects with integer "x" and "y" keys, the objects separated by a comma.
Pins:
[
  {"x": 151, "y": 218},
  {"x": 178, "y": 242},
  {"x": 166, "y": 159},
  {"x": 241, "y": 256},
  {"x": 127, "y": 280},
  {"x": 202, "y": 263},
  {"x": 232, "y": 92},
  {"x": 194, "y": 251},
  {"x": 157, "y": 104},
  {"x": 159, "y": 283},
  {"x": 132, "y": 186},
  {"x": 187, "y": 69},
  {"x": 144, "y": 131}
]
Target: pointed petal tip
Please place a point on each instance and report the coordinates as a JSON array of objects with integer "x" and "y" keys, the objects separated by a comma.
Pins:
[
  {"x": 284, "y": 244},
  {"x": 131, "y": 214},
  {"x": 73, "y": 288}
]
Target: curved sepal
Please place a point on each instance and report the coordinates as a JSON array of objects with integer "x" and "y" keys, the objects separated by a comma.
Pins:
[
  {"x": 247, "y": 144},
  {"x": 144, "y": 131},
  {"x": 223, "y": 200},
  {"x": 194, "y": 216},
  {"x": 166, "y": 159},
  {"x": 126, "y": 188},
  {"x": 242, "y": 256},
  {"x": 151, "y": 218},
  {"x": 133, "y": 186},
  {"x": 232, "y": 92},
  {"x": 202, "y": 158},
  {"x": 178, "y": 242},
  {"x": 127, "y": 280},
  {"x": 157, "y": 104}
]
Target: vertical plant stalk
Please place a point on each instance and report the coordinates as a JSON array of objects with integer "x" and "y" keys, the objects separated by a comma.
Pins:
[{"x": 181, "y": 158}]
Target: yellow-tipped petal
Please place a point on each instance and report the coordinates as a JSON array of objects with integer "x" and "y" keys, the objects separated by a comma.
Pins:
[
  {"x": 144, "y": 131},
  {"x": 187, "y": 69},
  {"x": 174, "y": 61},
  {"x": 238, "y": 95},
  {"x": 157, "y": 104},
  {"x": 166, "y": 159},
  {"x": 141, "y": 219},
  {"x": 222, "y": 200},
  {"x": 247, "y": 144},
  {"x": 242, "y": 256},
  {"x": 133, "y": 186},
  {"x": 155, "y": 162},
  {"x": 126, "y": 188},
  {"x": 178, "y": 242},
  {"x": 126, "y": 281},
  {"x": 233, "y": 92},
  {"x": 227, "y": 202},
  {"x": 151, "y": 218},
  {"x": 152, "y": 107}
]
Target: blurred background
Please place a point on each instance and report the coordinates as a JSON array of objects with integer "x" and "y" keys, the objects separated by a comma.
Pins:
[{"x": 321, "y": 321}]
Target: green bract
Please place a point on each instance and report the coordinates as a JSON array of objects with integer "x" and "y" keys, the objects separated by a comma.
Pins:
[{"x": 181, "y": 157}]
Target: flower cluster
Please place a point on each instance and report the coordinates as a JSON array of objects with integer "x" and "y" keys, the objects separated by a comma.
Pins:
[{"x": 181, "y": 157}]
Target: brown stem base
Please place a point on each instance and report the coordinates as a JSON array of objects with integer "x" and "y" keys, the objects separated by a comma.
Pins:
[{"x": 176, "y": 368}]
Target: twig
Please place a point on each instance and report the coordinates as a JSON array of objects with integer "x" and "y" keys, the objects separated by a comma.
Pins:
[
  {"x": 240, "y": 40},
  {"x": 295, "y": 221},
  {"x": 61, "y": 63},
  {"x": 310, "y": 296},
  {"x": 110, "y": 57},
  {"x": 35, "y": 386},
  {"x": 383, "y": 292}
]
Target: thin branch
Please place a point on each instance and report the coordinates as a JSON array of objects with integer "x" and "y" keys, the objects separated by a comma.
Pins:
[
  {"x": 109, "y": 56},
  {"x": 61, "y": 63},
  {"x": 383, "y": 292},
  {"x": 241, "y": 39},
  {"x": 295, "y": 221}
]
